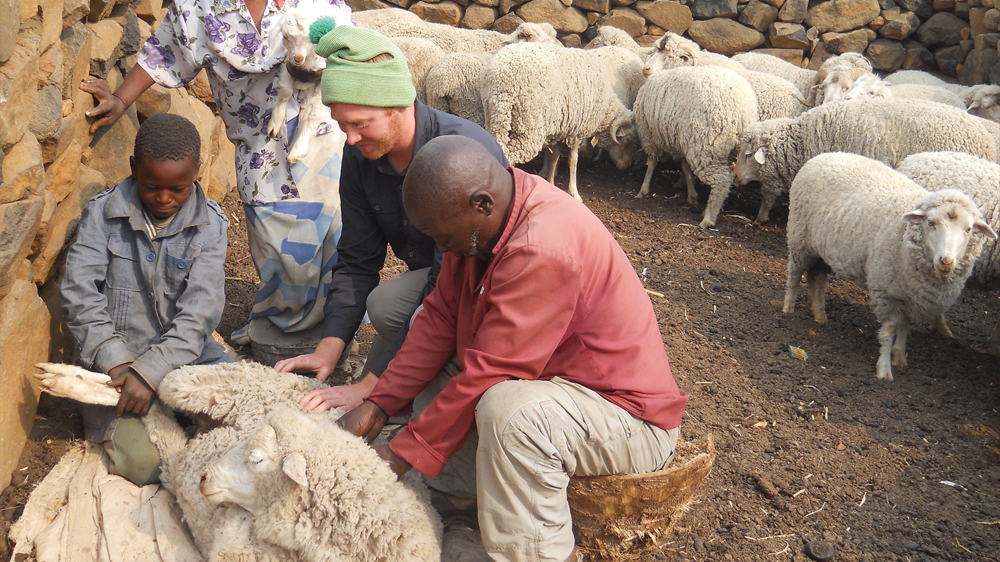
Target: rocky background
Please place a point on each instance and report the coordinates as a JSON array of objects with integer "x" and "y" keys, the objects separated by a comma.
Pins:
[
  {"x": 50, "y": 166},
  {"x": 959, "y": 39}
]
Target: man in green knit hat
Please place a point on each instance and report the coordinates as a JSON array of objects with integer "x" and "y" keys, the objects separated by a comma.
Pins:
[{"x": 369, "y": 90}]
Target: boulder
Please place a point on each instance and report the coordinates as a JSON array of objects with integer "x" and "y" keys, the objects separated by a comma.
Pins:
[
  {"x": 100, "y": 9},
  {"x": 943, "y": 5},
  {"x": 76, "y": 45},
  {"x": 978, "y": 65},
  {"x": 886, "y": 54},
  {"x": 404, "y": 4},
  {"x": 112, "y": 146},
  {"x": 788, "y": 36},
  {"x": 622, "y": 2},
  {"x": 876, "y": 23},
  {"x": 794, "y": 11},
  {"x": 507, "y": 23},
  {"x": 942, "y": 29},
  {"x": 992, "y": 19},
  {"x": 18, "y": 223},
  {"x": 852, "y": 42},
  {"x": 917, "y": 56},
  {"x": 725, "y": 36},
  {"x": 74, "y": 11},
  {"x": 125, "y": 16},
  {"x": 43, "y": 228},
  {"x": 625, "y": 19},
  {"x": 842, "y": 15},
  {"x": 148, "y": 10},
  {"x": 19, "y": 87},
  {"x": 62, "y": 225},
  {"x": 600, "y": 6},
  {"x": 666, "y": 14},
  {"x": 46, "y": 123},
  {"x": 922, "y": 8},
  {"x": 592, "y": 18},
  {"x": 572, "y": 41},
  {"x": 62, "y": 173},
  {"x": 898, "y": 25},
  {"x": 566, "y": 19},
  {"x": 51, "y": 70},
  {"x": 705, "y": 9},
  {"x": 794, "y": 56},
  {"x": 886, "y": 4},
  {"x": 220, "y": 176},
  {"x": 106, "y": 49},
  {"x": 447, "y": 12},
  {"x": 961, "y": 10},
  {"x": 10, "y": 19},
  {"x": 479, "y": 17},
  {"x": 23, "y": 170},
  {"x": 759, "y": 15},
  {"x": 201, "y": 88},
  {"x": 24, "y": 341},
  {"x": 76, "y": 126},
  {"x": 507, "y": 5},
  {"x": 52, "y": 22},
  {"x": 647, "y": 40},
  {"x": 949, "y": 58},
  {"x": 776, "y": 3}
]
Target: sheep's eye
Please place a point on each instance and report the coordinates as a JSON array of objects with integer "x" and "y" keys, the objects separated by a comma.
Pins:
[
  {"x": 968, "y": 229},
  {"x": 932, "y": 224}
]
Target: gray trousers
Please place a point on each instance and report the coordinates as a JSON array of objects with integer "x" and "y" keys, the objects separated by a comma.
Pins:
[
  {"x": 389, "y": 307},
  {"x": 532, "y": 437}
]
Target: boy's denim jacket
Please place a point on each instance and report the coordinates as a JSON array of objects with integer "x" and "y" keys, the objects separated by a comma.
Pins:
[{"x": 154, "y": 303}]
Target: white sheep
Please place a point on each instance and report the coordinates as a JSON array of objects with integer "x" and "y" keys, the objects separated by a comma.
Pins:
[
  {"x": 913, "y": 250},
  {"x": 376, "y": 19},
  {"x": 236, "y": 397},
  {"x": 611, "y": 36},
  {"x": 324, "y": 494},
  {"x": 929, "y": 93},
  {"x": 980, "y": 180},
  {"x": 760, "y": 62},
  {"x": 983, "y": 100},
  {"x": 672, "y": 50},
  {"x": 571, "y": 100},
  {"x": 888, "y": 130},
  {"x": 300, "y": 52},
  {"x": 451, "y": 39},
  {"x": 868, "y": 86},
  {"x": 421, "y": 55},
  {"x": 832, "y": 83},
  {"x": 924, "y": 78},
  {"x": 695, "y": 114}
]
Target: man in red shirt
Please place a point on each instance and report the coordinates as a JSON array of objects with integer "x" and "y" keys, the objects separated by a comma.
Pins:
[{"x": 539, "y": 340}]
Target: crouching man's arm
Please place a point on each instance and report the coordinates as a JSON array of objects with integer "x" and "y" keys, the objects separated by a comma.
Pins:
[
  {"x": 136, "y": 394},
  {"x": 366, "y": 421}
]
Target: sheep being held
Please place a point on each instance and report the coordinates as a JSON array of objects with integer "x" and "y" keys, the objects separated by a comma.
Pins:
[
  {"x": 570, "y": 100},
  {"x": 887, "y": 130},
  {"x": 911, "y": 248},
  {"x": 695, "y": 114}
]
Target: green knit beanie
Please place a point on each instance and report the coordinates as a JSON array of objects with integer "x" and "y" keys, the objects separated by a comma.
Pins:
[{"x": 349, "y": 79}]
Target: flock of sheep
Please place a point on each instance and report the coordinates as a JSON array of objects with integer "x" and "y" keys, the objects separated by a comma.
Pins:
[{"x": 752, "y": 118}]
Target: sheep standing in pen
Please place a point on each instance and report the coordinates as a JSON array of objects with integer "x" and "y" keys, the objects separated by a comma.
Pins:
[
  {"x": 911, "y": 248},
  {"x": 980, "y": 180},
  {"x": 236, "y": 398},
  {"x": 611, "y": 36},
  {"x": 695, "y": 115},
  {"x": 421, "y": 55},
  {"x": 929, "y": 93},
  {"x": 672, "y": 50},
  {"x": 801, "y": 77},
  {"x": 924, "y": 78},
  {"x": 570, "y": 100},
  {"x": 376, "y": 19},
  {"x": 887, "y": 130},
  {"x": 456, "y": 40}
]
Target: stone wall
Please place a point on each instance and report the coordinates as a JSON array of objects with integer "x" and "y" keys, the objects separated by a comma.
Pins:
[
  {"x": 959, "y": 39},
  {"x": 50, "y": 166}
]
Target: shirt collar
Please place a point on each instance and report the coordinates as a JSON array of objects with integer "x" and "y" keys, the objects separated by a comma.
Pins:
[
  {"x": 516, "y": 204},
  {"x": 220, "y": 7},
  {"x": 124, "y": 203},
  {"x": 423, "y": 131}
]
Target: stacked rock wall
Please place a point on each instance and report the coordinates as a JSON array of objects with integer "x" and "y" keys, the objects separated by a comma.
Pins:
[
  {"x": 959, "y": 39},
  {"x": 50, "y": 166}
]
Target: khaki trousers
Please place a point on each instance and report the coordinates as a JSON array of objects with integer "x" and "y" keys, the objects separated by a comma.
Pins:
[
  {"x": 389, "y": 307},
  {"x": 532, "y": 437}
]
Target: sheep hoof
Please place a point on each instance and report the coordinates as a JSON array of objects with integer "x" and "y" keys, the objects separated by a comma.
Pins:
[
  {"x": 898, "y": 360},
  {"x": 642, "y": 194},
  {"x": 819, "y": 316},
  {"x": 884, "y": 374},
  {"x": 706, "y": 224}
]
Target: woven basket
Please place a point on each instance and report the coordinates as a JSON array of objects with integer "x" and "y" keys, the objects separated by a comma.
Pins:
[{"x": 618, "y": 517}]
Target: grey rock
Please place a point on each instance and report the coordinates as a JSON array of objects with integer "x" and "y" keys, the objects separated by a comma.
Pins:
[
  {"x": 705, "y": 9},
  {"x": 759, "y": 15},
  {"x": 943, "y": 29},
  {"x": 922, "y": 8},
  {"x": 794, "y": 11},
  {"x": 898, "y": 25},
  {"x": 788, "y": 36},
  {"x": 918, "y": 57},
  {"x": 886, "y": 54}
]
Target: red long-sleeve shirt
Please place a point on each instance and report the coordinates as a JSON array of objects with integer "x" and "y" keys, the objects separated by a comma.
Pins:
[{"x": 558, "y": 299}]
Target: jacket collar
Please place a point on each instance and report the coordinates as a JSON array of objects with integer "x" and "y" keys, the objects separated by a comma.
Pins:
[
  {"x": 124, "y": 202},
  {"x": 516, "y": 205}
]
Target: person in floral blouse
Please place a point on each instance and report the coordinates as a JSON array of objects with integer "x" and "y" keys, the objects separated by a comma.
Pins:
[{"x": 239, "y": 43}]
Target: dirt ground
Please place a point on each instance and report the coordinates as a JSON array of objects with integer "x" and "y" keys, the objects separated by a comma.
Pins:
[{"x": 806, "y": 450}]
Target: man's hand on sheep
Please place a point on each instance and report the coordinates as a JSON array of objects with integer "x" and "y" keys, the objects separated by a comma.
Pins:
[
  {"x": 396, "y": 462},
  {"x": 365, "y": 421},
  {"x": 136, "y": 394},
  {"x": 322, "y": 361},
  {"x": 345, "y": 397}
]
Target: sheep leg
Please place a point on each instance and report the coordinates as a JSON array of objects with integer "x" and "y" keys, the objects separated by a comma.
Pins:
[
  {"x": 574, "y": 156},
  {"x": 994, "y": 341},
  {"x": 277, "y": 127},
  {"x": 689, "y": 177},
  {"x": 798, "y": 263},
  {"x": 716, "y": 197},
  {"x": 650, "y": 168},
  {"x": 767, "y": 200},
  {"x": 550, "y": 160},
  {"x": 899, "y": 346},
  {"x": 886, "y": 335},
  {"x": 85, "y": 390},
  {"x": 817, "y": 277},
  {"x": 940, "y": 325},
  {"x": 309, "y": 119}
]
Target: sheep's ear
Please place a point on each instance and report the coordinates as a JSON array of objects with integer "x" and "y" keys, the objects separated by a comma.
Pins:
[
  {"x": 984, "y": 229},
  {"x": 915, "y": 216},
  {"x": 974, "y": 105},
  {"x": 760, "y": 156},
  {"x": 294, "y": 467}
]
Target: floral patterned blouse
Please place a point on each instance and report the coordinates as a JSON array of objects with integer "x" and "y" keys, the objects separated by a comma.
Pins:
[{"x": 242, "y": 65}]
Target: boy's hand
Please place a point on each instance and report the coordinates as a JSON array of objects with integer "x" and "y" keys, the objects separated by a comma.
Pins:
[
  {"x": 108, "y": 104},
  {"x": 136, "y": 395}
]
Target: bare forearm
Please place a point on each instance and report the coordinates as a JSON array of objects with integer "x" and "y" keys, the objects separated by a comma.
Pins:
[{"x": 137, "y": 82}]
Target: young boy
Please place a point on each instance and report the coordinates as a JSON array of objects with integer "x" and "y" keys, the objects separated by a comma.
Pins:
[{"x": 144, "y": 286}]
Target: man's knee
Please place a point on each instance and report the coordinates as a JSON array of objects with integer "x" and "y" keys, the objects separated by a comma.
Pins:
[
  {"x": 377, "y": 305},
  {"x": 499, "y": 408}
]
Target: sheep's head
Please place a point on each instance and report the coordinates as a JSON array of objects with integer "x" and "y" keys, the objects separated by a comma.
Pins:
[
  {"x": 262, "y": 462},
  {"x": 837, "y": 82},
  {"x": 986, "y": 103},
  {"x": 868, "y": 86},
  {"x": 945, "y": 222},
  {"x": 672, "y": 51},
  {"x": 295, "y": 36},
  {"x": 752, "y": 154}
]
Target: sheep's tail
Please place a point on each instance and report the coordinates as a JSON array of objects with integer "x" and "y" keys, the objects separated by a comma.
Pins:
[{"x": 498, "y": 109}]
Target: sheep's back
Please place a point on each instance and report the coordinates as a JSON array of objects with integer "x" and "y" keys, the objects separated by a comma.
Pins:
[
  {"x": 800, "y": 77},
  {"x": 925, "y": 92},
  {"x": 453, "y": 83}
]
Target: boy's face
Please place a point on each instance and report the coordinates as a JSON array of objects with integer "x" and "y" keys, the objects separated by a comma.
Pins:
[{"x": 164, "y": 185}]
